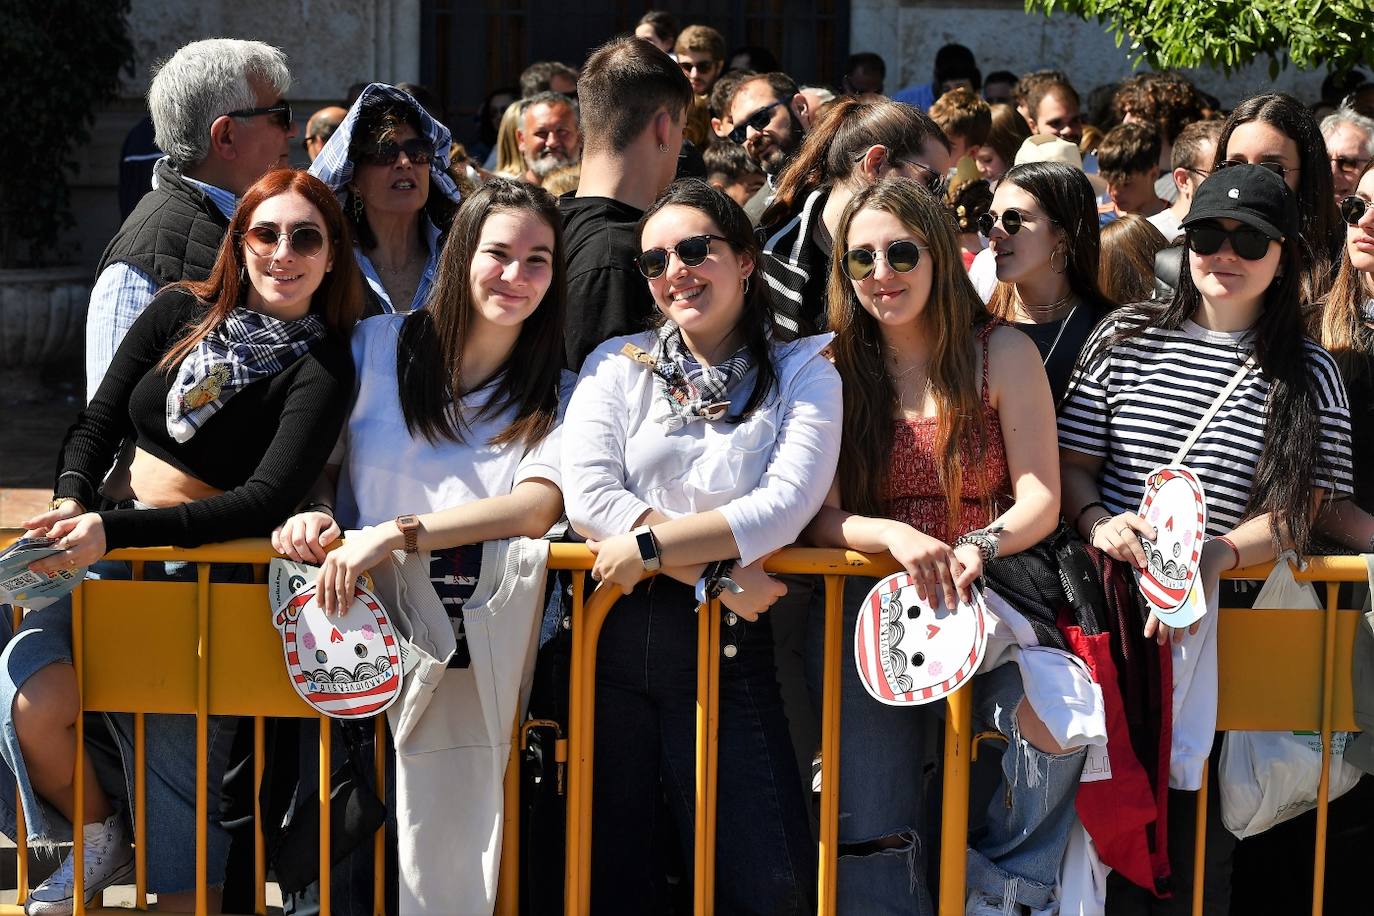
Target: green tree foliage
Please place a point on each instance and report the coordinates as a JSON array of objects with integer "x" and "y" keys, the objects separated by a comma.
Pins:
[
  {"x": 1231, "y": 33},
  {"x": 62, "y": 59}
]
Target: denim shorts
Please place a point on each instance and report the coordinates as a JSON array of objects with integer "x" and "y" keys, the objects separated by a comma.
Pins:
[{"x": 44, "y": 638}]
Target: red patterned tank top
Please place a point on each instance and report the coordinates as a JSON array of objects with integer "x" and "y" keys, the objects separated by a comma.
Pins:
[{"x": 914, "y": 494}]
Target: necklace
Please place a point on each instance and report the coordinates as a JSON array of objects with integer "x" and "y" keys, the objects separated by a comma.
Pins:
[
  {"x": 1062, "y": 326},
  {"x": 1043, "y": 312},
  {"x": 396, "y": 270}
]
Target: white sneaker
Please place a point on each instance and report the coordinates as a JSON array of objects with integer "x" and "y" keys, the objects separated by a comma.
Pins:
[
  {"x": 985, "y": 905},
  {"x": 109, "y": 860}
]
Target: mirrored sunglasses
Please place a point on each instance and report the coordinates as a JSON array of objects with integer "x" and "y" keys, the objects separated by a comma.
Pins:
[
  {"x": 306, "y": 241},
  {"x": 1353, "y": 209},
  {"x": 902, "y": 256}
]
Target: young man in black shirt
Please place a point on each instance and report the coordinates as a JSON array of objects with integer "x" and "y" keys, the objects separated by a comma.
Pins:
[{"x": 634, "y": 101}]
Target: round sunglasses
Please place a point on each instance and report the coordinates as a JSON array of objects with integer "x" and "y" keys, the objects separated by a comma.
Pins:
[
  {"x": 1247, "y": 243},
  {"x": 305, "y": 241},
  {"x": 1353, "y": 210},
  {"x": 902, "y": 256},
  {"x": 1011, "y": 218},
  {"x": 691, "y": 251},
  {"x": 418, "y": 151}
]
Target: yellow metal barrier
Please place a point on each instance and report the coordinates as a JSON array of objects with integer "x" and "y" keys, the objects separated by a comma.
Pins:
[{"x": 201, "y": 626}]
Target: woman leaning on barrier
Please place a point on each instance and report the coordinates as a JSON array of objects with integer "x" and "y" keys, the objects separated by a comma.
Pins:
[
  {"x": 700, "y": 441},
  {"x": 233, "y": 390},
  {"x": 1277, "y": 446},
  {"x": 1345, "y": 326},
  {"x": 453, "y": 441},
  {"x": 948, "y": 433}
]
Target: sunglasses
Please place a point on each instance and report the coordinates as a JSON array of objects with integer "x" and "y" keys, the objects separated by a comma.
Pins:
[
  {"x": 690, "y": 251},
  {"x": 1247, "y": 243},
  {"x": 1348, "y": 166},
  {"x": 902, "y": 256},
  {"x": 418, "y": 151},
  {"x": 1012, "y": 220},
  {"x": 1271, "y": 166},
  {"x": 1353, "y": 210},
  {"x": 280, "y": 111},
  {"x": 758, "y": 120},
  {"x": 305, "y": 241}
]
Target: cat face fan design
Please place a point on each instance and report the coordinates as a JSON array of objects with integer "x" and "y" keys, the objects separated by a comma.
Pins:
[
  {"x": 1175, "y": 506},
  {"x": 345, "y": 667},
  {"x": 909, "y": 651}
]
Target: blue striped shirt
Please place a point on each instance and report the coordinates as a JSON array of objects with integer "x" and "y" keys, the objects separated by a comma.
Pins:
[{"x": 120, "y": 295}]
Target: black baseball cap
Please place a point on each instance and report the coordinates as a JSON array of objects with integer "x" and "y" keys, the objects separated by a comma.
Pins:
[{"x": 1252, "y": 194}]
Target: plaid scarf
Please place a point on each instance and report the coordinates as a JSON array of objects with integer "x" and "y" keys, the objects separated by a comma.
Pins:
[
  {"x": 246, "y": 347},
  {"x": 690, "y": 390}
]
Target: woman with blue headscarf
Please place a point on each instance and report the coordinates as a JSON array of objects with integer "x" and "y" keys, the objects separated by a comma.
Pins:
[{"x": 388, "y": 163}]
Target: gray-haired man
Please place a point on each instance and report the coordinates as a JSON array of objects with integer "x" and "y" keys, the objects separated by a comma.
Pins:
[{"x": 219, "y": 113}]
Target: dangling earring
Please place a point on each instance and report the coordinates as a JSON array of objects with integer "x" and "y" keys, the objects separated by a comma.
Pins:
[
  {"x": 357, "y": 207},
  {"x": 243, "y": 274},
  {"x": 745, "y": 282},
  {"x": 1059, "y": 270}
]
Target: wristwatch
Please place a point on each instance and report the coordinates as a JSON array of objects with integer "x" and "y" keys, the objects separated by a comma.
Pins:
[
  {"x": 410, "y": 529},
  {"x": 648, "y": 548}
]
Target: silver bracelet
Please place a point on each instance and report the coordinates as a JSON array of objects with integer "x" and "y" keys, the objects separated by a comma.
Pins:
[{"x": 985, "y": 539}]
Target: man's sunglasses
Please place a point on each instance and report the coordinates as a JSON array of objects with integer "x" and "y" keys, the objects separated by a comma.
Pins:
[
  {"x": 280, "y": 111},
  {"x": 1247, "y": 243},
  {"x": 1274, "y": 167},
  {"x": 1353, "y": 210},
  {"x": 306, "y": 241},
  {"x": 691, "y": 251},
  {"x": 1011, "y": 218},
  {"x": 758, "y": 120},
  {"x": 418, "y": 151},
  {"x": 902, "y": 256}
]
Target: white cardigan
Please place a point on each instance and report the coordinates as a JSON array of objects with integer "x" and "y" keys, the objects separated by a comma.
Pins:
[{"x": 768, "y": 475}]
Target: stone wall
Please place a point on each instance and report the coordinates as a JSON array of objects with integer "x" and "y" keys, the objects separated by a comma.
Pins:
[
  {"x": 329, "y": 45},
  {"x": 907, "y": 33}
]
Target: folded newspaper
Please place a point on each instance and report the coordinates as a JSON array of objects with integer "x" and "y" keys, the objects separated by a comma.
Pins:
[{"x": 19, "y": 585}]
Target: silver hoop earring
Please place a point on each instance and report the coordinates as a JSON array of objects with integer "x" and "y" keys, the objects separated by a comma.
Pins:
[
  {"x": 663, "y": 147},
  {"x": 746, "y": 286}
]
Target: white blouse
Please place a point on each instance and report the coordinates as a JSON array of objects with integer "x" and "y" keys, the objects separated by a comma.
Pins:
[
  {"x": 768, "y": 475},
  {"x": 387, "y": 472}
]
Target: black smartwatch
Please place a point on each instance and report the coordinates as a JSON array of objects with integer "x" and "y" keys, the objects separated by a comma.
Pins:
[{"x": 649, "y": 551}]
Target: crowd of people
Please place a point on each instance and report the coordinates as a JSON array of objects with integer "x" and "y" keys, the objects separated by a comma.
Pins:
[{"x": 680, "y": 306}]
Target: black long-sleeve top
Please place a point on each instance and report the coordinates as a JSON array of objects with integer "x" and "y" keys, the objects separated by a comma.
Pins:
[{"x": 264, "y": 448}]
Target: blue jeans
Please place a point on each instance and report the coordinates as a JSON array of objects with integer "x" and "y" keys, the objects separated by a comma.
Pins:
[
  {"x": 888, "y": 755},
  {"x": 44, "y": 638},
  {"x": 645, "y": 746}
]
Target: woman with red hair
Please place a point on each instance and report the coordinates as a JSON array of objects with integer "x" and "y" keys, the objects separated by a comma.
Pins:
[{"x": 233, "y": 391}]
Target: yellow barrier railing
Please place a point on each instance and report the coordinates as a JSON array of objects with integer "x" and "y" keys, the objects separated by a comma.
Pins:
[{"x": 200, "y": 625}]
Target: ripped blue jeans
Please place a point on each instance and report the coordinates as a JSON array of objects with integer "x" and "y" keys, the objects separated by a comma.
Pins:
[{"x": 888, "y": 757}]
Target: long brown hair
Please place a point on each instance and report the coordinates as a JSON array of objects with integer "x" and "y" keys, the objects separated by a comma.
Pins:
[
  {"x": 870, "y": 398},
  {"x": 429, "y": 355},
  {"x": 1340, "y": 323},
  {"x": 1126, "y": 269},
  {"x": 844, "y": 132},
  {"x": 339, "y": 298}
]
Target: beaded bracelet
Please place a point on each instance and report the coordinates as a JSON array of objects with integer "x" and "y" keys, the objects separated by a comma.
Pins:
[{"x": 985, "y": 539}]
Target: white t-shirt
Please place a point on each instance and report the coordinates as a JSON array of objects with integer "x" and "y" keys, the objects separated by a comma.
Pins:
[
  {"x": 768, "y": 475},
  {"x": 1134, "y": 405},
  {"x": 1168, "y": 225},
  {"x": 387, "y": 472}
]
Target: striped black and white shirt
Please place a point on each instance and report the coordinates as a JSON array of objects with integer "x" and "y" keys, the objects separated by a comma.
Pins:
[{"x": 1135, "y": 404}]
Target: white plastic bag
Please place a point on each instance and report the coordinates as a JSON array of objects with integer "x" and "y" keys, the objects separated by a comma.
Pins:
[{"x": 1270, "y": 777}]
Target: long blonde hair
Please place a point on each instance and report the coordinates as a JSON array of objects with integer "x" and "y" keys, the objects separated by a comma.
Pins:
[
  {"x": 870, "y": 397},
  {"x": 509, "y": 161},
  {"x": 1340, "y": 323}
]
